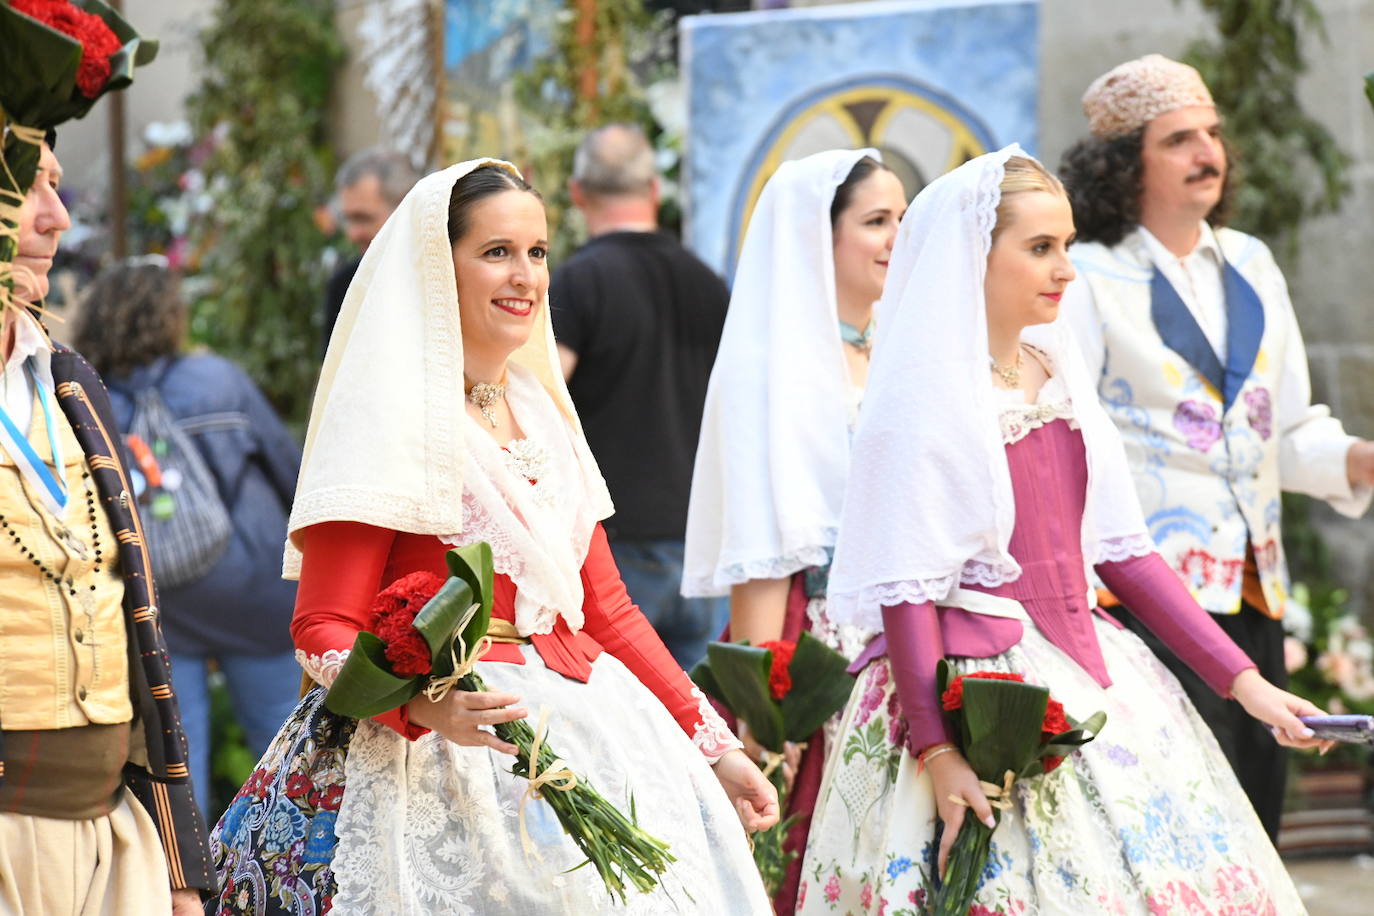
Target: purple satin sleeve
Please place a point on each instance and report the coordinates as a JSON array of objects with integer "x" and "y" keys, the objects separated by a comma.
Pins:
[
  {"x": 914, "y": 648},
  {"x": 1158, "y": 598}
]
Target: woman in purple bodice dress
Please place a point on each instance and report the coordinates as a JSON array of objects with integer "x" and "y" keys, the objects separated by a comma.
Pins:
[{"x": 986, "y": 485}]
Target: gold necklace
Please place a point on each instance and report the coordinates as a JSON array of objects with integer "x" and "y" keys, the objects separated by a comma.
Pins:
[
  {"x": 483, "y": 395},
  {"x": 1010, "y": 375}
]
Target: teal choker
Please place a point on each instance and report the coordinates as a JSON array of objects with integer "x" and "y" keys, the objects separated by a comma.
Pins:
[{"x": 859, "y": 340}]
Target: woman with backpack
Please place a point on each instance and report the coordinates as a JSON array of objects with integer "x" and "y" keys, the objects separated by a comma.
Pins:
[{"x": 217, "y": 469}]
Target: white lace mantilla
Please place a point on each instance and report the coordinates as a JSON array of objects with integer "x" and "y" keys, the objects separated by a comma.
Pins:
[
  {"x": 712, "y": 736},
  {"x": 323, "y": 668}
]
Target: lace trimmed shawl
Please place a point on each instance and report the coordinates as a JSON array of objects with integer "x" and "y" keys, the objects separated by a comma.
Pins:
[
  {"x": 929, "y": 503},
  {"x": 774, "y": 449}
]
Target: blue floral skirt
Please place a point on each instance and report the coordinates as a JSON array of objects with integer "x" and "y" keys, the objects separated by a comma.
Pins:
[{"x": 274, "y": 846}]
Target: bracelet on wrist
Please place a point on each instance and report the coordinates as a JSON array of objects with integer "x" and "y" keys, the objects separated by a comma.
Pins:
[
  {"x": 930, "y": 753},
  {"x": 935, "y": 750}
]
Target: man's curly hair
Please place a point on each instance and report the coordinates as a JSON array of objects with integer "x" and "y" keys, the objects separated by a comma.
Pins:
[{"x": 1104, "y": 181}]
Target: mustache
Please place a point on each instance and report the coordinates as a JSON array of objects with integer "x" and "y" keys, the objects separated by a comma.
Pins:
[{"x": 1207, "y": 171}]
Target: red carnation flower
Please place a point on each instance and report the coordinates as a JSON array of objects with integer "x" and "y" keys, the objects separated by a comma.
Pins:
[
  {"x": 393, "y": 621},
  {"x": 1056, "y": 723},
  {"x": 97, "y": 41},
  {"x": 779, "y": 677},
  {"x": 409, "y": 656},
  {"x": 953, "y": 697}
]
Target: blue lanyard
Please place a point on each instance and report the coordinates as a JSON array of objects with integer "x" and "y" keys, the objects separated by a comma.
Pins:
[{"x": 51, "y": 486}]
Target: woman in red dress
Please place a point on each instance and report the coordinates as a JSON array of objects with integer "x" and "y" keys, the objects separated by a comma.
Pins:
[{"x": 441, "y": 420}]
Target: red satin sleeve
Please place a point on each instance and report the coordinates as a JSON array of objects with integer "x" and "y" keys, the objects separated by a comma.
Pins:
[
  {"x": 617, "y": 624},
  {"x": 341, "y": 573}
]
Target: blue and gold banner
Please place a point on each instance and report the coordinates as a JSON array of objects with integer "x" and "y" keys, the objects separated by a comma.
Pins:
[{"x": 931, "y": 85}]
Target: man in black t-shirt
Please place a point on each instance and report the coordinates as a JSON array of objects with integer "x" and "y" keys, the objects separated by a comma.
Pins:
[{"x": 638, "y": 318}]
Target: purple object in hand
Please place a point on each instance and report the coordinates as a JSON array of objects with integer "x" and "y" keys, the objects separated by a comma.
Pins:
[{"x": 1348, "y": 729}]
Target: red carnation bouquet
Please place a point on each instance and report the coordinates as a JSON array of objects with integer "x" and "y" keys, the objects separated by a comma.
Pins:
[
  {"x": 783, "y": 691},
  {"x": 426, "y": 634},
  {"x": 393, "y": 620},
  {"x": 1008, "y": 730},
  {"x": 56, "y": 58}
]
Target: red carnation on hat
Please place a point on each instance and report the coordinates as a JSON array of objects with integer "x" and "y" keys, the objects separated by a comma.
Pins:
[{"x": 97, "y": 42}]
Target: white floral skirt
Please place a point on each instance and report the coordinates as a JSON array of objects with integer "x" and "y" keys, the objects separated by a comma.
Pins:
[
  {"x": 1148, "y": 819},
  {"x": 429, "y": 827}
]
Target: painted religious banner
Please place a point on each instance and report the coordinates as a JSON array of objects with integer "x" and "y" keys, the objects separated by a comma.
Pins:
[
  {"x": 929, "y": 84},
  {"x": 487, "y": 43}
]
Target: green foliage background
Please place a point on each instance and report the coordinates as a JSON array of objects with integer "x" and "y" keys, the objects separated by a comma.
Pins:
[
  {"x": 270, "y": 66},
  {"x": 632, "y": 48}
]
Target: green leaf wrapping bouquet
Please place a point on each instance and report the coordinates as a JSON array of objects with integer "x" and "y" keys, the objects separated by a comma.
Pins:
[
  {"x": 782, "y": 691},
  {"x": 1007, "y": 730},
  {"x": 426, "y": 636}
]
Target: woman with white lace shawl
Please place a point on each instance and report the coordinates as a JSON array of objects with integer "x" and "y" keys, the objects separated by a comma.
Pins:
[
  {"x": 417, "y": 811},
  {"x": 985, "y": 479},
  {"x": 783, "y": 398}
]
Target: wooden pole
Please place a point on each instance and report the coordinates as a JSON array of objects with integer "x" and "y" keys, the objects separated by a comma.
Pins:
[
  {"x": 437, "y": 26},
  {"x": 119, "y": 193},
  {"x": 586, "y": 41}
]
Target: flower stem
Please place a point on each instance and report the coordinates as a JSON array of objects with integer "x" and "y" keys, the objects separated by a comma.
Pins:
[
  {"x": 614, "y": 844},
  {"x": 967, "y": 859}
]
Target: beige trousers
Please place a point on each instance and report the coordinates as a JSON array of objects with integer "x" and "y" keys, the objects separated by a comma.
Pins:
[{"x": 105, "y": 866}]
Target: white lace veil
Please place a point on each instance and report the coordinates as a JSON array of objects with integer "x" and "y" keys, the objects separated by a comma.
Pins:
[
  {"x": 390, "y": 443},
  {"x": 774, "y": 448},
  {"x": 929, "y": 501}
]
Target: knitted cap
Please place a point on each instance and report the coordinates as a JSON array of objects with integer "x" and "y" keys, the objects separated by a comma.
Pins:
[{"x": 1134, "y": 93}]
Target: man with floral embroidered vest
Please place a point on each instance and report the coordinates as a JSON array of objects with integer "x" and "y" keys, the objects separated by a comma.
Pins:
[
  {"x": 1188, "y": 329},
  {"x": 96, "y": 809}
]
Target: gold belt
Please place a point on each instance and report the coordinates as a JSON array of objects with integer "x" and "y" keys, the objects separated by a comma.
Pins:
[{"x": 499, "y": 630}]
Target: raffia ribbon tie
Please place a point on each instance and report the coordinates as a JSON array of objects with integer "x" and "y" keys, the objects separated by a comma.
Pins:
[
  {"x": 555, "y": 776},
  {"x": 774, "y": 759},
  {"x": 998, "y": 796},
  {"x": 464, "y": 659}
]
